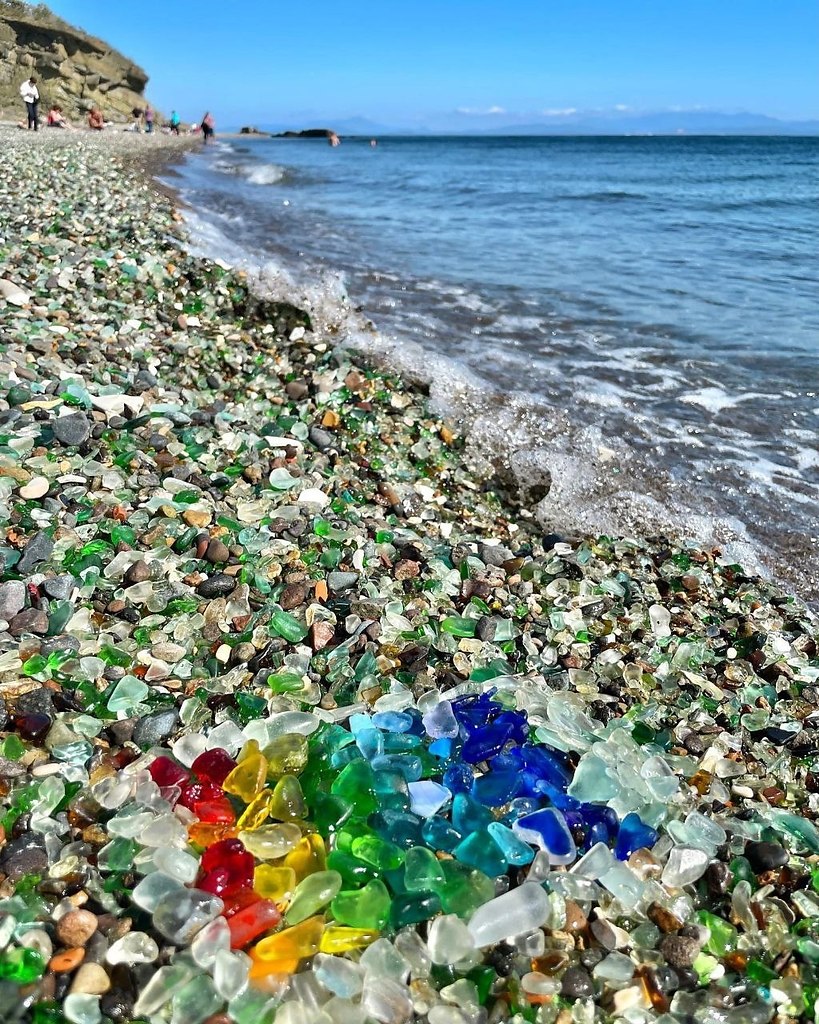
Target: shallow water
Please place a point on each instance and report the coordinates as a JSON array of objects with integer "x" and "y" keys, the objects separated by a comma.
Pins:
[{"x": 647, "y": 308}]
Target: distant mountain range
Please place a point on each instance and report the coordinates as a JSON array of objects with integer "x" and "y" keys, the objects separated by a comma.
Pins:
[{"x": 613, "y": 122}]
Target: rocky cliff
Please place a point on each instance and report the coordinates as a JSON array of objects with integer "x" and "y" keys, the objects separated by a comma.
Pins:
[{"x": 73, "y": 69}]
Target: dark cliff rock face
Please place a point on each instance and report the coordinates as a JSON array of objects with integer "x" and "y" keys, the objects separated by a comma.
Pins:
[{"x": 73, "y": 69}]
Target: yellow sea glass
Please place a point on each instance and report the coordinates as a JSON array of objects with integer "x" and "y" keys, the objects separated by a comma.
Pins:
[
  {"x": 272, "y": 841},
  {"x": 272, "y": 883},
  {"x": 256, "y": 813},
  {"x": 309, "y": 855},
  {"x": 293, "y": 943},
  {"x": 338, "y": 939},
  {"x": 287, "y": 802},
  {"x": 286, "y": 755},
  {"x": 248, "y": 778}
]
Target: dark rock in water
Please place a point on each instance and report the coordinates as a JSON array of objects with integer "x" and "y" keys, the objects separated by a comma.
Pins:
[
  {"x": 765, "y": 856},
  {"x": 122, "y": 731},
  {"x": 780, "y": 735},
  {"x": 322, "y": 439},
  {"x": 576, "y": 984},
  {"x": 12, "y": 598},
  {"x": 155, "y": 727},
  {"x": 31, "y": 620},
  {"x": 37, "y": 550},
  {"x": 218, "y": 585},
  {"x": 73, "y": 429},
  {"x": 59, "y": 587}
]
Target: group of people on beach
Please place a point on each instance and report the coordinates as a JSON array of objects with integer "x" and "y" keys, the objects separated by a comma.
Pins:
[{"x": 143, "y": 118}]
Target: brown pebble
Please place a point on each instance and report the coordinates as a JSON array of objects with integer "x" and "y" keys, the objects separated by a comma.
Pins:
[
  {"x": 292, "y": 596},
  {"x": 216, "y": 551},
  {"x": 139, "y": 572},
  {"x": 67, "y": 961},
  {"x": 76, "y": 927},
  {"x": 576, "y": 920}
]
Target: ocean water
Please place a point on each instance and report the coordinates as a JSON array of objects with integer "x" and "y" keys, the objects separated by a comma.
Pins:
[{"x": 631, "y": 323}]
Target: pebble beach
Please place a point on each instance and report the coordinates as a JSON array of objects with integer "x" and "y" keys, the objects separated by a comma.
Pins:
[{"x": 301, "y": 719}]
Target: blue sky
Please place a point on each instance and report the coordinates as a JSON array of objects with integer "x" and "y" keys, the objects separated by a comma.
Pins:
[{"x": 422, "y": 61}]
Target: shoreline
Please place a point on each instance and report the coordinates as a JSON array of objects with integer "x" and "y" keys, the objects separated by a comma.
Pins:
[
  {"x": 612, "y": 485},
  {"x": 238, "y": 523}
]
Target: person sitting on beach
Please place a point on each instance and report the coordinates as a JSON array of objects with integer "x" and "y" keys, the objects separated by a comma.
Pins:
[
  {"x": 56, "y": 118},
  {"x": 136, "y": 125},
  {"x": 96, "y": 122},
  {"x": 207, "y": 126}
]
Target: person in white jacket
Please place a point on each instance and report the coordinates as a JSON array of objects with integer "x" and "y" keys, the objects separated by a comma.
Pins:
[{"x": 31, "y": 96}]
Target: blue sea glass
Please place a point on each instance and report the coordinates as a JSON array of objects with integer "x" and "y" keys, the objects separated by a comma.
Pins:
[
  {"x": 515, "y": 851},
  {"x": 440, "y": 721},
  {"x": 438, "y": 834},
  {"x": 480, "y": 851},
  {"x": 468, "y": 815},
  {"x": 458, "y": 778},
  {"x": 427, "y": 797},
  {"x": 633, "y": 835},
  {"x": 392, "y": 721},
  {"x": 495, "y": 788},
  {"x": 486, "y": 741},
  {"x": 547, "y": 829}
]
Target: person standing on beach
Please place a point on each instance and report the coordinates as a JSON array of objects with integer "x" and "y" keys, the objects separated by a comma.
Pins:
[
  {"x": 149, "y": 119},
  {"x": 175, "y": 122},
  {"x": 31, "y": 97},
  {"x": 207, "y": 126}
]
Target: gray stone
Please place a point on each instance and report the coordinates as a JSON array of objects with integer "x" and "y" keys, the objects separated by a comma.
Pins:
[
  {"x": 37, "y": 550},
  {"x": 64, "y": 644},
  {"x": 766, "y": 856},
  {"x": 494, "y": 554},
  {"x": 155, "y": 727},
  {"x": 576, "y": 984},
  {"x": 297, "y": 390},
  {"x": 12, "y": 598},
  {"x": 72, "y": 429},
  {"x": 59, "y": 587},
  {"x": 23, "y": 856},
  {"x": 680, "y": 951},
  {"x": 486, "y": 628},
  {"x": 322, "y": 439},
  {"x": 340, "y": 581}
]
